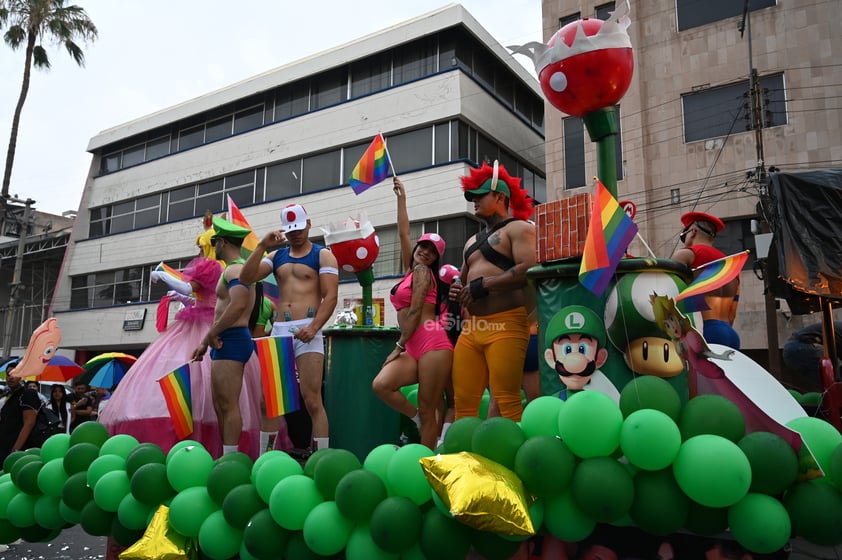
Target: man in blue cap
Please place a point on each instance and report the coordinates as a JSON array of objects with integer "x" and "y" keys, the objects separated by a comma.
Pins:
[{"x": 229, "y": 338}]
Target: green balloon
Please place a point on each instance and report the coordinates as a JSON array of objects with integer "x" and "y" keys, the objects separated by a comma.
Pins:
[
  {"x": 443, "y": 537},
  {"x": 76, "y": 493},
  {"x": 590, "y": 423},
  {"x": 404, "y": 475},
  {"x": 189, "y": 510},
  {"x": 460, "y": 434},
  {"x": 19, "y": 464},
  {"x": 540, "y": 417},
  {"x": 80, "y": 455},
  {"x": 262, "y": 460},
  {"x": 484, "y": 403},
  {"x": 815, "y": 509},
  {"x": 263, "y": 538},
  {"x": 240, "y": 504},
  {"x": 820, "y": 436},
  {"x": 47, "y": 513},
  {"x": 226, "y": 476},
  {"x": 52, "y": 477},
  {"x": 280, "y": 467},
  {"x": 396, "y": 524},
  {"x": 492, "y": 546},
  {"x": 119, "y": 444},
  {"x": 89, "y": 432},
  {"x": 292, "y": 500},
  {"x": 55, "y": 447},
  {"x": 133, "y": 513},
  {"x": 774, "y": 464},
  {"x": 8, "y": 532},
  {"x": 565, "y": 520},
  {"x": 358, "y": 493},
  {"x": 217, "y": 539},
  {"x": 712, "y": 470},
  {"x": 648, "y": 391},
  {"x": 545, "y": 465},
  {"x": 835, "y": 471},
  {"x": 297, "y": 549},
  {"x": 760, "y": 523},
  {"x": 70, "y": 515},
  {"x": 412, "y": 396},
  {"x": 330, "y": 470},
  {"x": 36, "y": 533},
  {"x": 110, "y": 490},
  {"x": 122, "y": 535},
  {"x": 181, "y": 445},
  {"x": 440, "y": 505},
  {"x": 362, "y": 547},
  {"x": 11, "y": 459},
  {"x": 8, "y": 490},
  {"x": 659, "y": 506},
  {"x": 27, "y": 479},
  {"x": 706, "y": 521},
  {"x": 498, "y": 439},
  {"x": 326, "y": 531},
  {"x": 189, "y": 466},
  {"x": 313, "y": 460},
  {"x": 650, "y": 439},
  {"x": 143, "y": 454},
  {"x": 712, "y": 414},
  {"x": 149, "y": 484},
  {"x": 602, "y": 488},
  {"x": 237, "y": 457},
  {"x": 21, "y": 510},
  {"x": 104, "y": 464},
  {"x": 95, "y": 520},
  {"x": 377, "y": 460}
]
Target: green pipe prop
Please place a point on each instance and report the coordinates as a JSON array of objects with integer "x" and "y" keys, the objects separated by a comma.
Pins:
[{"x": 603, "y": 127}]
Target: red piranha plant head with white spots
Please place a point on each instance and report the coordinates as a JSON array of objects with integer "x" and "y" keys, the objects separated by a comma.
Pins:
[
  {"x": 587, "y": 65},
  {"x": 354, "y": 243}
]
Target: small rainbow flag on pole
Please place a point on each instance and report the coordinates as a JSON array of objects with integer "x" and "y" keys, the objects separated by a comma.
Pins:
[
  {"x": 714, "y": 274},
  {"x": 176, "y": 388},
  {"x": 609, "y": 234},
  {"x": 169, "y": 271},
  {"x": 236, "y": 217},
  {"x": 373, "y": 166},
  {"x": 277, "y": 374}
]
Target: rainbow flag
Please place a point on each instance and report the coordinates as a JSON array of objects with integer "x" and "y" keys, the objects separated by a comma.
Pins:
[
  {"x": 169, "y": 271},
  {"x": 372, "y": 168},
  {"x": 277, "y": 374},
  {"x": 714, "y": 274},
  {"x": 236, "y": 217},
  {"x": 609, "y": 234},
  {"x": 176, "y": 388}
]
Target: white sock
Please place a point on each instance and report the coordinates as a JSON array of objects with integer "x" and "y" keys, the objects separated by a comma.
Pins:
[
  {"x": 267, "y": 441},
  {"x": 444, "y": 428},
  {"x": 321, "y": 443},
  {"x": 417, "y": 420},
  {"x": 226, "y": 449}
]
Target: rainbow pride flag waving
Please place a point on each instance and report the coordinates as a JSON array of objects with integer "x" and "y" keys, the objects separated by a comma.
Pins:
[
  {"x": 714, "y": 274},
  {"x": 609, "y": 234},
  {"x": 278, "y": 374},
  {"x": 373, "y": 166},
  {"x": 176, "y": 388}
]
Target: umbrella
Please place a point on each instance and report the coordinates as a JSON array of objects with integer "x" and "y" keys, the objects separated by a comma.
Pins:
[
  {"x": 60, "y": 370},
  {"x": 6, "y": 364},
  {"x": 106, "y": 370}
]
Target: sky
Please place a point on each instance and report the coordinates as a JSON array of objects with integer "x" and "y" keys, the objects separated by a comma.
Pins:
[{"x": 153, "y": 54}]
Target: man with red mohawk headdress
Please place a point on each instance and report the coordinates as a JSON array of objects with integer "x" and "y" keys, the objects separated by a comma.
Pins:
[{"x": 491, "y": 349}]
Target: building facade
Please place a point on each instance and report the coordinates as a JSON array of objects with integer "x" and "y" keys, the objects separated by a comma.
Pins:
[
  {"x": 690, "y": 137},
  {"x": 442, "y": 91}
]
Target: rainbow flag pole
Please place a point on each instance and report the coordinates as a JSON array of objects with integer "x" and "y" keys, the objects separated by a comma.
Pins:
[
  {"x": 176, "y": 388},
  {"x": 278, "y": 374},
  {"x": 372, "y": 167},
  {"x": 714, "y": 274}
]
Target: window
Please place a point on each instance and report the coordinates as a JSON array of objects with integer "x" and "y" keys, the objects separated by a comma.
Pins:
[
  {"x": 716, "y": 112},
  {"x": 693, "y": 13},
  {"x": 562, "y": 21},
  {"x": 100, "y": 221},
  {"x": 114, "y": 287},
  {"x": 292, "y": 100},
  {"x": 603, "y": 12},
  {"x": 411, "y": 150},
  {"x": 415, "y": 60},
  {"x": 737, "y": 237},
  {"x": 370, "y": 75},
  {"x": 219, "y": 128},
  {"x": 147, "y": 211},
  {"x": 157, "y": 148},
  {"x": 283, "y": 179},
  {"x": 574, "y": 152},
  {"x": 110, "y": 162},
  {"x": 181, "y": 203},
  {"x": 350, "y": 157},
  {"x": 248, "y": 119},
  {"x": 441, "y": 152},
  {"x": 321, "y": 171},
  {"x": 210, "y": 196},
  {"x": 133, "y": 155},
  {"x": 240, "y": 187},
  {"x": 191, "y": 137},
  {"x": 330, "y": 88}
]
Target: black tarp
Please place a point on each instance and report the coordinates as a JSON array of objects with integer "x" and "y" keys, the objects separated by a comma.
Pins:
[{"x": 806, "y": 219}]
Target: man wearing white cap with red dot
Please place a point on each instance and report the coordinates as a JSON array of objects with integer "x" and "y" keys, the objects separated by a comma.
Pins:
[{"x": 308, "y": 282}]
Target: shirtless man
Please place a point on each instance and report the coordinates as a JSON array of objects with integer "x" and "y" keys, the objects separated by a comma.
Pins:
[
  {"x": 700, "y": 230},
  {"x": 229, "y": 337},
  {"x": 492, "y": 347},
  {"x": 308, "y": 282}
]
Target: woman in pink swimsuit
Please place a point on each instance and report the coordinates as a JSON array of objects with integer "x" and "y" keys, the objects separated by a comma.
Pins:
[{"x": 423, "y": 354}]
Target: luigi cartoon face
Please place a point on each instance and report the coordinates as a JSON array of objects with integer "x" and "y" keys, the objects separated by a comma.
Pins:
[{"x": 575, "y": 343}]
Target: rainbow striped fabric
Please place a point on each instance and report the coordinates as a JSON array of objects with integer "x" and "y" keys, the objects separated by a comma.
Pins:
[
  {"x": 372, "y": 168},
  {"x": 714, "y": 274},
  {"x": 609, "y": 233},
  {"x": 277, "y": 374},
  {"x": 169, "y": 271},
  {"x": 176, "y": 388}
]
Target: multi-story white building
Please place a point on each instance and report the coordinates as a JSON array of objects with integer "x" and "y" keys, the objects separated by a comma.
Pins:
[
  {"x": 443, "y": 92},
  {"x": 686, "y": 141}
]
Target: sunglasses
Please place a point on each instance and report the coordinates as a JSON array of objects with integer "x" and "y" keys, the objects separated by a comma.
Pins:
[{"x": 683, "y": 235}]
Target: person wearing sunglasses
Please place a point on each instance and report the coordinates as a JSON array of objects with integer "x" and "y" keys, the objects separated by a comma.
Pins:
[{"x": 697, "y": 237}]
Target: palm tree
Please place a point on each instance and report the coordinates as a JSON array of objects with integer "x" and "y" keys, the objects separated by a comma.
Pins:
[{"x": 30, "y": 22}]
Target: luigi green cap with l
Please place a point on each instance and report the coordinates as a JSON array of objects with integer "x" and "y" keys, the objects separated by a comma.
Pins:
[
  {"x": 576, "y": 319},
  {"x": 224, "y": 228}
]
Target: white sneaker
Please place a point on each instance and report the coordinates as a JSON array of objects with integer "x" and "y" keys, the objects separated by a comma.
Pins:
[{"x": 4, "y": 547}]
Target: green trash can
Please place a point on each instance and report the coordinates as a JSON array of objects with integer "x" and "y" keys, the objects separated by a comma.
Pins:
[{"x": 359, "y": 421}]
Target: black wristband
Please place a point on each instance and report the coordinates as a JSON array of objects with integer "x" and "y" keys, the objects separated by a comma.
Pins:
[{"x": 477, "y": 291}]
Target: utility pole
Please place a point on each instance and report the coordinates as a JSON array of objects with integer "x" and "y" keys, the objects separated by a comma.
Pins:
[
  {"x": 756, "y": 110},
  {"x": 17, "y": 287}
]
